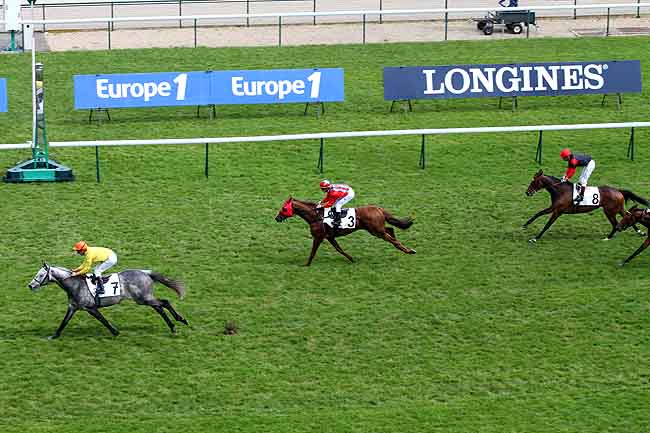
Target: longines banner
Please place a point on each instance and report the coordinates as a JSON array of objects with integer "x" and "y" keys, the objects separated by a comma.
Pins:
[
  {"x": 529, "y": 79},
  {"x": 3, "y": 94},
  {"x": 209, "y": 87}
]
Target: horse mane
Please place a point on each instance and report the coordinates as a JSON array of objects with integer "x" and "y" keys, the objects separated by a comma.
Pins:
[
  {"x": 61, "y": 268},
  {"x": 305, "y": 202},
  {"x": 557, "y": 179}
]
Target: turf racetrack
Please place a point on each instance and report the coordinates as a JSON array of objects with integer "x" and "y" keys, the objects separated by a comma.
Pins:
[{"x": 478, "y": 332}]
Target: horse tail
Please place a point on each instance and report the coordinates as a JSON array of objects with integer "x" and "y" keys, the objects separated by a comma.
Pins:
[
  {"x": 176, "y": 286},
  {"x": 630, "y": 195},
  {"x": 403, "y": 223}
]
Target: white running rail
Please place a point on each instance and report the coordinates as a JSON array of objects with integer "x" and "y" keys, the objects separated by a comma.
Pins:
[{"x": 324, "y": 135}]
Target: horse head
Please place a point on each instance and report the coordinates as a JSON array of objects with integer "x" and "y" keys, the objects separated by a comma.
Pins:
[
  {"x": 42, "y": 277},
  {"x": 286, "y": 211},
  {"x": 632, "y": 215},
  {"x": 304, "y": 209},
  {"x": 536, "y": 184}
]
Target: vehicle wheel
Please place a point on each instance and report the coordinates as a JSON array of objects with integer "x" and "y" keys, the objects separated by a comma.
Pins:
[
  {"x": 509, "y": 27},
  {"x": 488, "y": 30},
  {"x": 481, "y": 25},
  {"x": 517, "y": 29}
]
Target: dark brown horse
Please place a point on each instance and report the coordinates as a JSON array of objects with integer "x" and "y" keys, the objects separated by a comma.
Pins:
[
  {"x": 631, "y": 217},
  {"x": 611, "y": 200},
  {"x": 369, "y": 218}
]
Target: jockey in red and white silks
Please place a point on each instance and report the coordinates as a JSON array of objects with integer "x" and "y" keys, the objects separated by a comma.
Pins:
[{"x": 338, "y": 194}]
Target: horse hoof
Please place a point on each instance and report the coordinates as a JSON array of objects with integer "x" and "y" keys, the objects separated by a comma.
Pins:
[
  {"x": 524, "y": 227},
  {"x": 52, "y": 337},
  {"x": 620, "y": 265},
  {"x": 412, "y": 252},
  {"x": 185, "y": 322},
  {"x": 640, "y": 233},
  {"x": 606, "y": 239},
  {"x": 532, "y": 240}
]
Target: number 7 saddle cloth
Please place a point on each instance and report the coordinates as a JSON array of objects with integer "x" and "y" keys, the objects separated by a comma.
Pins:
[{"x": 112, "y": 286}]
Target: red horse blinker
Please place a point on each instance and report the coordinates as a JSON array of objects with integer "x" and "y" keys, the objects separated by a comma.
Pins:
[{"x": 287, "y": 209}]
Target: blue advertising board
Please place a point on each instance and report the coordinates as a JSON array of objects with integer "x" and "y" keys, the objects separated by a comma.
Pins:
[
  {"x": 277, "y": 86},
  {"x": 3, "y": 95},
  {"x": 210, "y": 87},
  {"x": 141, "y": 90},
  {"x": 525, "y": 79}
]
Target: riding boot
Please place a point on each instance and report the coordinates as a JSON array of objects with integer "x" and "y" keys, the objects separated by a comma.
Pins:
[
  {"x": 100, "y": 285},
  {"x": 99, "y": 289},
  {"x": 581, "y": 194},
  {"x": 337, "y": 220}
]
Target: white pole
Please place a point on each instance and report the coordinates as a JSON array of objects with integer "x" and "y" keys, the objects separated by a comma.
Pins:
[{"x": 34, "y": 126}]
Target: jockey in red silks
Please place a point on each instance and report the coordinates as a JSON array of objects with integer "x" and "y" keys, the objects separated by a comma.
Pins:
[
  {"x": 338, "y": 194},
  {"x": 577, "y": 160}
]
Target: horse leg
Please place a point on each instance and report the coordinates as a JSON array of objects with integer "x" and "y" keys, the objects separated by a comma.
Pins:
[
  {"x": 314, "y": 247},
  {"x": 643, "y": 246},
  {"x": 157, "y": 305},
  {"x": 338, "y": 248},
  {"x": 64, "y": 322},
  {"x": 99, "y": 316},
  {"x": 537, "y": 215},
  {"x": 166, "y": 304},
  {"x": 397, "y": 244},
  {"x": 549, "y": 223},
  {"x": 390, "y": 231},
  {"x": 612, "y": 220}
]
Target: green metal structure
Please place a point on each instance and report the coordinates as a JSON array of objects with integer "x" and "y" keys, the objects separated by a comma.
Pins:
[{"x": 40, "y": 168}]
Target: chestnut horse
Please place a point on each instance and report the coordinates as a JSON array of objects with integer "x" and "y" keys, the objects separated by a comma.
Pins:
[
  {"x": 611, "y": 200},
  {"x": 369, "y": 218},
  {"x": 631, "y": 217}
]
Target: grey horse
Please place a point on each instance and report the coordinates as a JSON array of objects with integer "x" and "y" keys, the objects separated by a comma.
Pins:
[{"x": 136, "y": 285}]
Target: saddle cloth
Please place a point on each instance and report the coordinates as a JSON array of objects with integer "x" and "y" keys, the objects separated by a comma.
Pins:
[
  {"x": 592, "y": 196},
  {"x": 112, "y": 286},
  {"x": 348, "y": 218}
]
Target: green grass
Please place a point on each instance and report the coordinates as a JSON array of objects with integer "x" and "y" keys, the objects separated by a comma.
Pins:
[{"x": 478, "y": 332}]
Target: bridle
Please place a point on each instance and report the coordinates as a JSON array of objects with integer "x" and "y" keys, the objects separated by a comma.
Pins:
[
  {"x": 535, "y": 186},
  {"x": 46, "y": 276},
  {"x": 637, "y": 219}
]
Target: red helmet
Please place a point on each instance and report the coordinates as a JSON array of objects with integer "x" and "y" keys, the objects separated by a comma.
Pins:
[
  {"x": 80, "y": 246},
  {"x": 325, "y": 184},
  {"x": 565, "y": 153}
]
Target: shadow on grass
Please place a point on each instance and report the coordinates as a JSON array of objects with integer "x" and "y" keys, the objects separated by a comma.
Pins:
[
  {"x": 156, "y": 116},
  {"x": 89, "y": 332}
]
